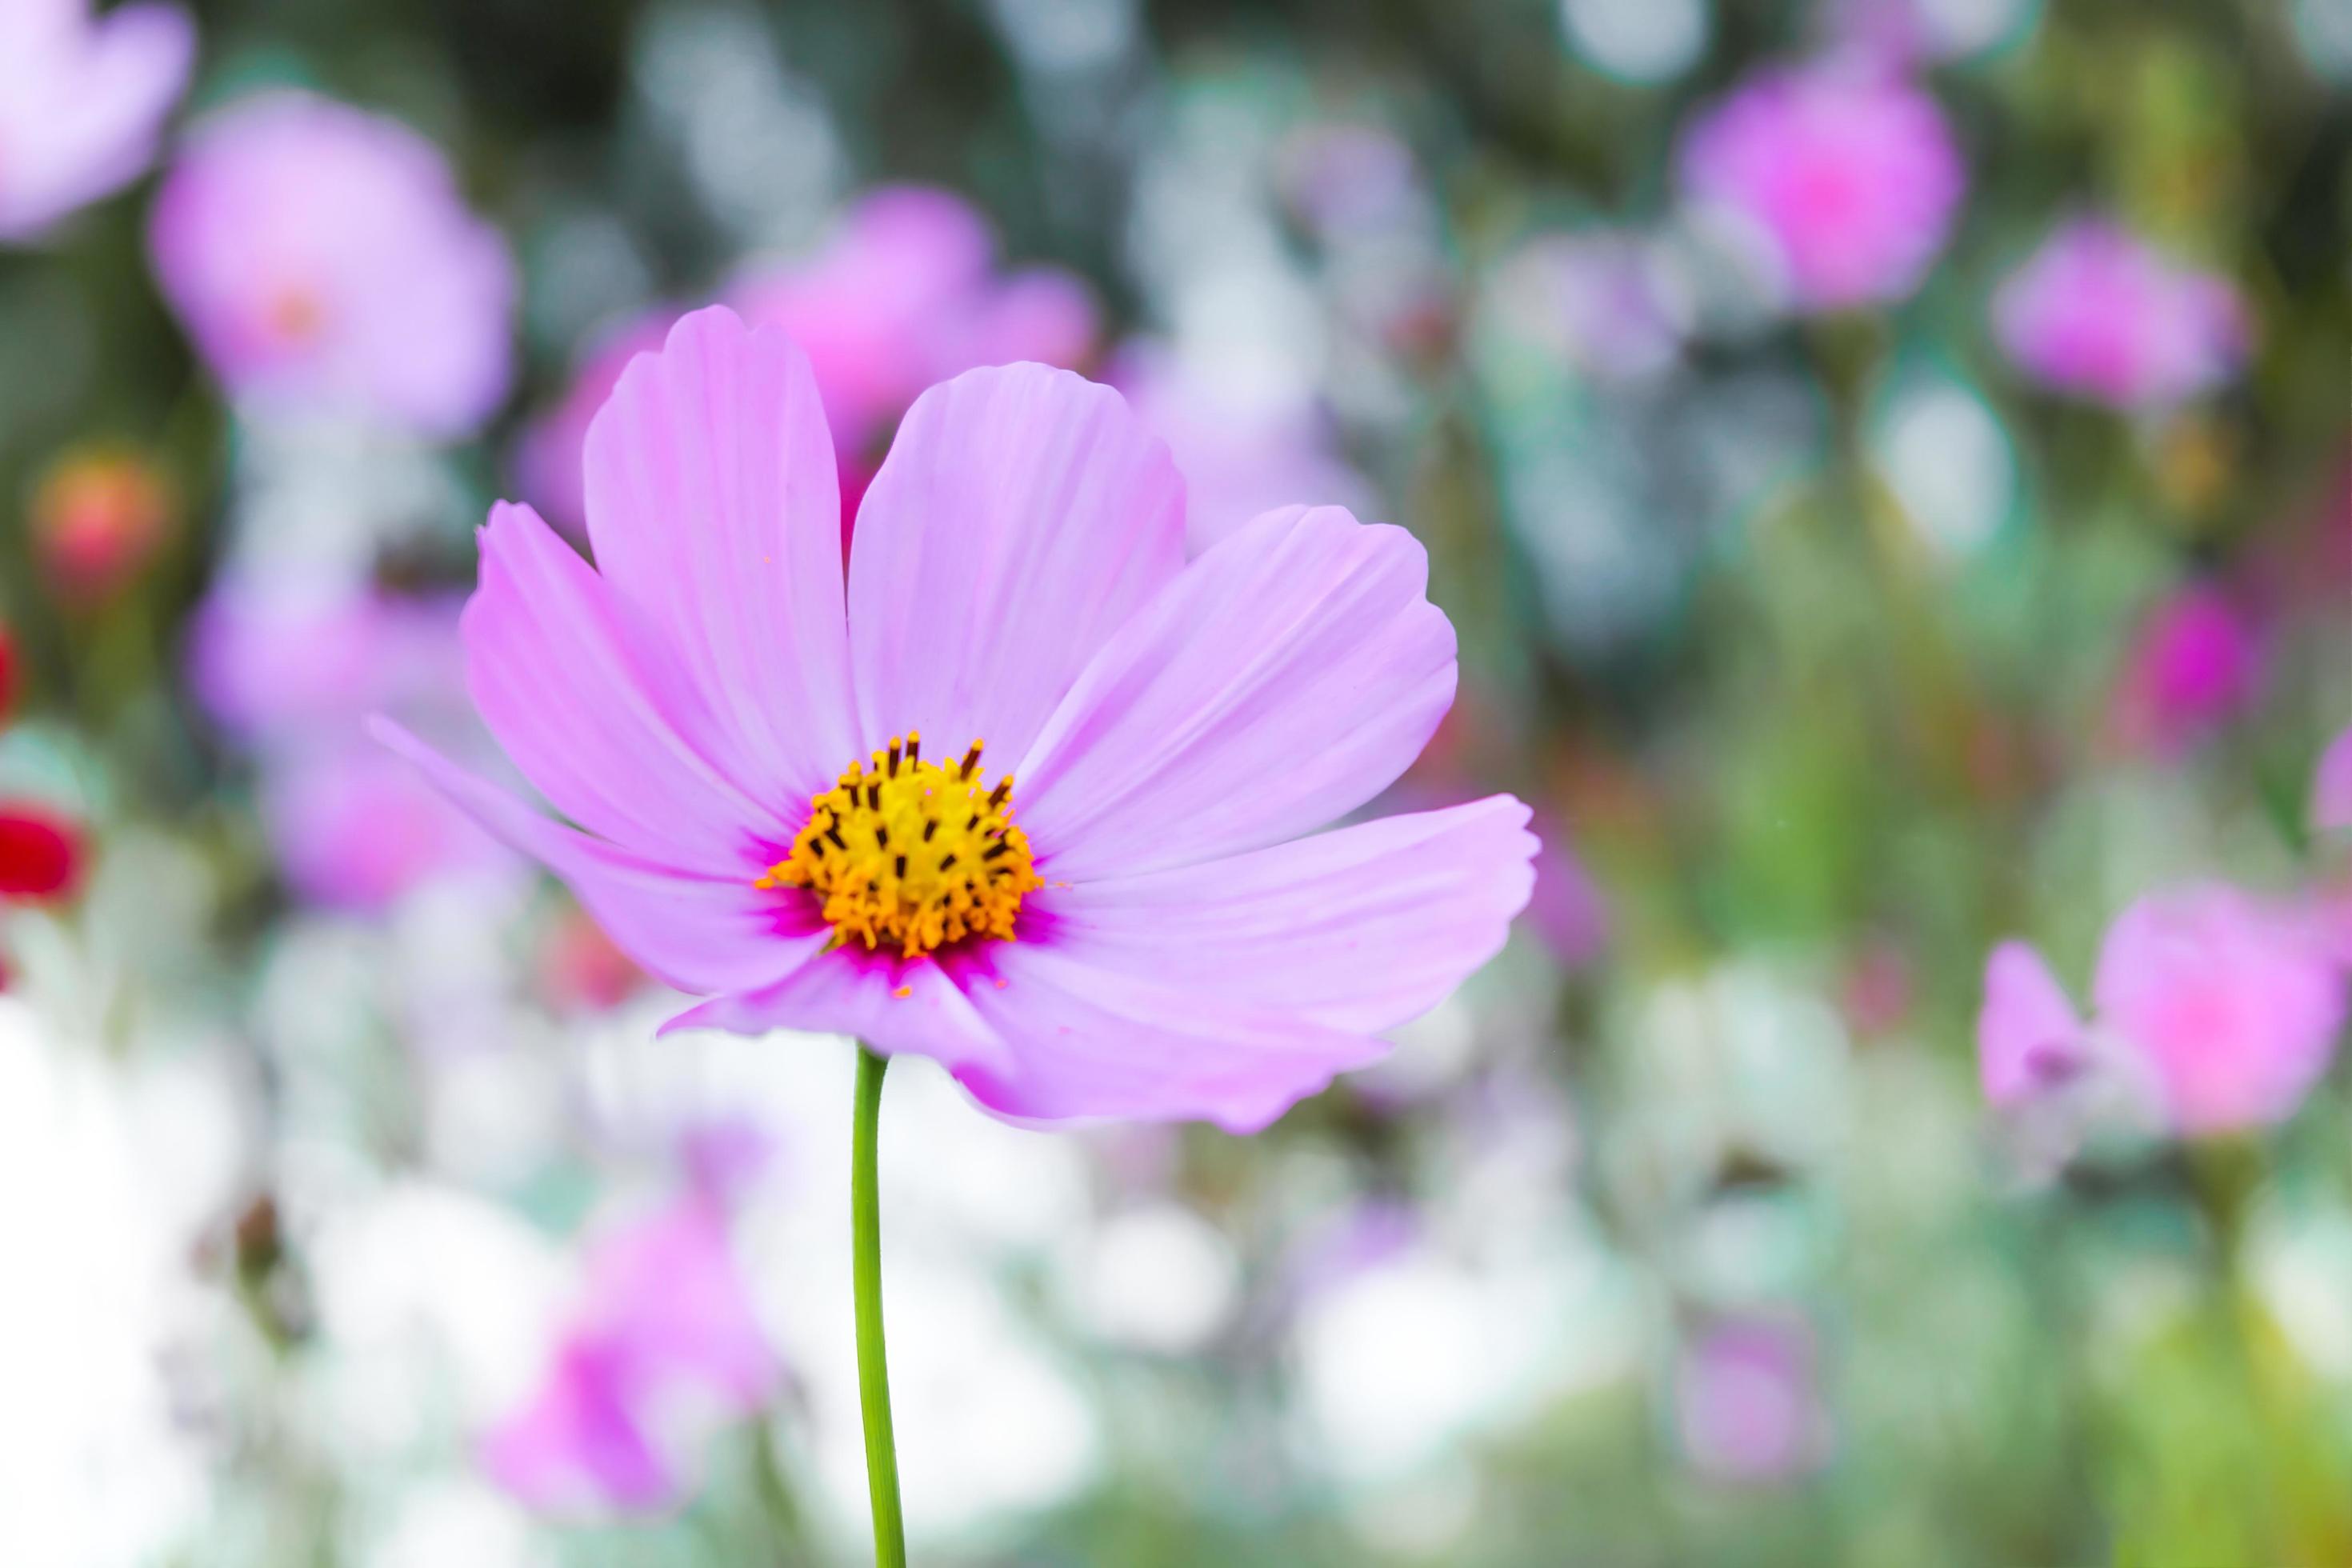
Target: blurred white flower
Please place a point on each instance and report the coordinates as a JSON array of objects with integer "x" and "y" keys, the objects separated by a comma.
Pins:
[
  {"x": 1638, "y": 40},
  {"x": 1156, "y": 1278},
  {"x": 1944, "y": 452},
  {"x": 97, "y": 1473},
  {"x": 433, "y": 1306}
]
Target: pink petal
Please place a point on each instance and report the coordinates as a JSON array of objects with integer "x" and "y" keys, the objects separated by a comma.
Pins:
[
  {"x": 1022, "y": 516},
  {"x": 700, "y": 933},
  {"x": 2027, "y": 1033},
  {"x": 1288, "y": 677},
  {"x": 583, "y": 706},
  {"x": 716, "y": 515},
  {"x": 1087, "y": 1042},
  {"x": 1360, "y": 929},
  {"x": 848, "y": 991}
]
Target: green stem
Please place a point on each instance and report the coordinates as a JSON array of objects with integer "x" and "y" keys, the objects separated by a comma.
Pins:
[{"x": 872, "y": 1365}]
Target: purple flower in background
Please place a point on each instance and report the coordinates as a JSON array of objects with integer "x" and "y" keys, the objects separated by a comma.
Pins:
[
  {"x": 1841, "y": 179},
  {"x": 2331, "y": 786},
  {"x": 290, "y": 669},
  {"x": 81, "y": 101},
  {"x": 2097, "y": 314},
  {"x": 323, "y": 261},
  {"x": 665, "y": 1342},
  {"x": 2224, "y": 1005},
  {"x": 1239, "y": 458},
  {"x": 740, "y": 734},
  {"x": 1746, "y": 1403},
  {"x": 2195, "y": 664}
]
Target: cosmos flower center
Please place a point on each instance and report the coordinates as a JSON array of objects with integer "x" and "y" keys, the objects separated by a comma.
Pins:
[{"x": 912, "y": 854}]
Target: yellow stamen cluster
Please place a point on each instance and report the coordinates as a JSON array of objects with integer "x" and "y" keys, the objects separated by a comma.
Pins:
[{"x": 913, "y": 854}]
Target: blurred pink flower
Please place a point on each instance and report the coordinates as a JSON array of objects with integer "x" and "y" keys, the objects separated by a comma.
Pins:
[
  {"x": 2097, "y": 314},
  {"x": 2331, "y": 786},
  {"x": 2028, "y": 1038},
  {"x": 274, "y": 655},
  {"x": 1566, "y": 910},
  {"x": 291, "y": 669},
  {"x": 665, "y": 1342},
  {"x": 2195, "y": 664},
  {"x": 1238, "y": 459},
  {"x": 2224, "y": 1006},
  {"x": 349, "y": 831},
  {"x": 704, "y": 703},
  {"x": 2233, "y": 1002},
  {"x": 323, "y": 261},
  {"x": 1841, "y": 178},
  {"x": 1747, "y": 1404},
  {"x": 903, "y": 294},
  {"x": 82, "y": 99}
]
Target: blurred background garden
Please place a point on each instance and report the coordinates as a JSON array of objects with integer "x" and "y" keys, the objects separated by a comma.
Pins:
[{"x": 1889, "y": 463}]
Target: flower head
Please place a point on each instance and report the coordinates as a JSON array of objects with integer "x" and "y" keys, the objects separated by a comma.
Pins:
[
  {"x": 2225, "y": 1007},
  {"x": 1841, "y": 179},
  {"x": 81, "y": 100},
  {"x": 323, "y": 260},
  {"x": 2096, "y": 314},
  {"x": 1024, "y": 793}
]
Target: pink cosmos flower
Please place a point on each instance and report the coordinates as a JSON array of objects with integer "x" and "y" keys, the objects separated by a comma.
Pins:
[
  {"x": 2097, "y": 314},
  {"x": 323, "y": 260},
  {"x": 904, "y": 294},
  {"x": 1841, "y": 178},
  {"x": 2195, "y": 664},
  {"x": 2225, "y": 1007},
  {"x": 1237, "y": 462},
  {"x": 666, "y": 1340},
  {"x": 81, "y": 101},
  {"x": 2331, "y": 786},
  {"x": 1747, "y": 1404},
  {"x": 1025, "y": 793}
]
